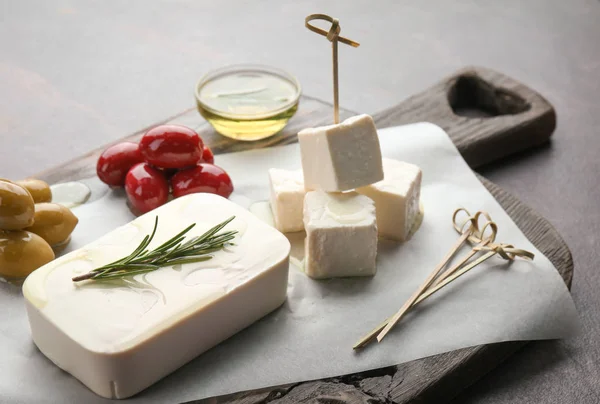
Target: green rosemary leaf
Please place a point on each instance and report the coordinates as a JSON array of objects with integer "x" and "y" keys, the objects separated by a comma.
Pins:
[
  {"x": 121, "y": 275},
  {"x": 145, "y": 243},
  {"x": 176, "y": 250},
  {"x": 202, "y": 251},
  {"x": 134, "y": 253},
  {"x": 215, "y": 230},
  {"x": 169, "y": 243},
  {"x": 189, "y": 260}
]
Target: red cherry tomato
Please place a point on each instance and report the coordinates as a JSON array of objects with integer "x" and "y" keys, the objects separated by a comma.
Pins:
[
  {"x": 115, "y": 162},
  {"x": 171, "y": 146},
  {"x": 146, "y": 187},
  {"x": 202, "y": 178},
  {"x": 207, "y": 155}
]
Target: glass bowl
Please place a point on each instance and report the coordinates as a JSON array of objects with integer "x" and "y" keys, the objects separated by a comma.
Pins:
[{"x": 248, "y": 102}]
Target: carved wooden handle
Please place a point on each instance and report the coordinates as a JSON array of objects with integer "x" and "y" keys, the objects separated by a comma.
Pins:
[{"x": 488, "y": 115}]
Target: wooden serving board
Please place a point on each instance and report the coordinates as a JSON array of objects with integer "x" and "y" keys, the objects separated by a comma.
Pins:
[{"x": 488, "y": 116}]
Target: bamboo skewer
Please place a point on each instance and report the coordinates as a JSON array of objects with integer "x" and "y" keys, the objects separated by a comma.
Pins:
[
  {"x": 396, "y": 317},
  {"x": 505, "y": 250},
  {"x": 457, "y": 266},
  {"x": 467, "y": 234},
  {"x": 370, "y": 336},
  {"x": 436, "y": 281},
  {"x": 333, "y": 35},
  {"x": 336, "y": 87},
  {"x": 474, "y": 238},
  {"x": 471, "y": 233},
  {"x": 456, "y": 275},
  {"x": 499, "y": 249}
]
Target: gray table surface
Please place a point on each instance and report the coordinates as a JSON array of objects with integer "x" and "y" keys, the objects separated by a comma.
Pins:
[{"x": 75, "y": 75}]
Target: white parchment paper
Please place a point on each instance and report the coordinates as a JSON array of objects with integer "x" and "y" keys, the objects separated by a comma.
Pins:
[{"x": 312, "y": 334}]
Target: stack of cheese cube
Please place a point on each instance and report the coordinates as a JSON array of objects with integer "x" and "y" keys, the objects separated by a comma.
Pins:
[{"x": 344, "y": 196}]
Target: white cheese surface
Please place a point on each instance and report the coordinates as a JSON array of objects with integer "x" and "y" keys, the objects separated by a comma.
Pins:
[
  {"x": 396, "y": 198},
  {"x": 117, "y": 327},
  {"x": 341, "y": 157},
  {"x": 287, "y": 199},
  {"x": 341, "y": 235}
]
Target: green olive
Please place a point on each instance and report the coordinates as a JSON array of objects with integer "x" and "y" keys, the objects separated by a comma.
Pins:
[
  {"x": 60, "y": 247},
  {"x": 53, "y": 222},
  {"x": 22, "y": 252},
  {"x": 39, "y": 190},
  {"x": 16, "y": 206}
]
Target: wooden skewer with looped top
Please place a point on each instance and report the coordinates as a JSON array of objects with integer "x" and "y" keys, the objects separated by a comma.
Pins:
[
  {"x": 333, "y": 35},
  {"x": 475, "y": 235}
]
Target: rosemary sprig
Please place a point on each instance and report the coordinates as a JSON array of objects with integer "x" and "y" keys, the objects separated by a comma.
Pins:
[{"x": 174, "y": 251}]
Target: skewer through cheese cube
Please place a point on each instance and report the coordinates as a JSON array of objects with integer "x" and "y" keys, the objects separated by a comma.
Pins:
[
  {"x": 341, "y": 157},
  {"x": 341, "y": 235},
  {"x": 287, "y": 199},
  {"x": 396, "y": 198}
]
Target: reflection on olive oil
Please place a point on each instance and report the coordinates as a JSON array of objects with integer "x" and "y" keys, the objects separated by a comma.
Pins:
[
  {"x": 262, "y": 210},
  {"x": 148, "y": 292},
  {"x": 418, "y": 221}
]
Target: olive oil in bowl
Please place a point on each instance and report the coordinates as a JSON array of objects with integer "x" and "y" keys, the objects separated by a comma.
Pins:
[{"x": 248, "y": 102}]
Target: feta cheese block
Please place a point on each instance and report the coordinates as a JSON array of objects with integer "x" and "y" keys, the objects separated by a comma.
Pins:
[
  {"x": 120, "y": 336},
  {"x": 287, "y": 199},
  {"x": 341, "y": 157},
  {"x": 341, "y": 235},
  {"x": 396, "y": 198}
]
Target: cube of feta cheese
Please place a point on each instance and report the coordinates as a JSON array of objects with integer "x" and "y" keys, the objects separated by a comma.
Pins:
[
  {"x": 287, "y": 199},
  {"x": 396, "y": 198},
  {"x": 341, "y": 157},
  {"x": 118, "y": 337},
  {"x": 341, "y": 235}
]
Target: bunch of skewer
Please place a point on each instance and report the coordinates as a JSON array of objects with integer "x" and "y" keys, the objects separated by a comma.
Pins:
[{"x": 481, "y": 237}]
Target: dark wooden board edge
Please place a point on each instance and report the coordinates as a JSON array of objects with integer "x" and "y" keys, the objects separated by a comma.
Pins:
[{"x": 517, "y": 117}]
